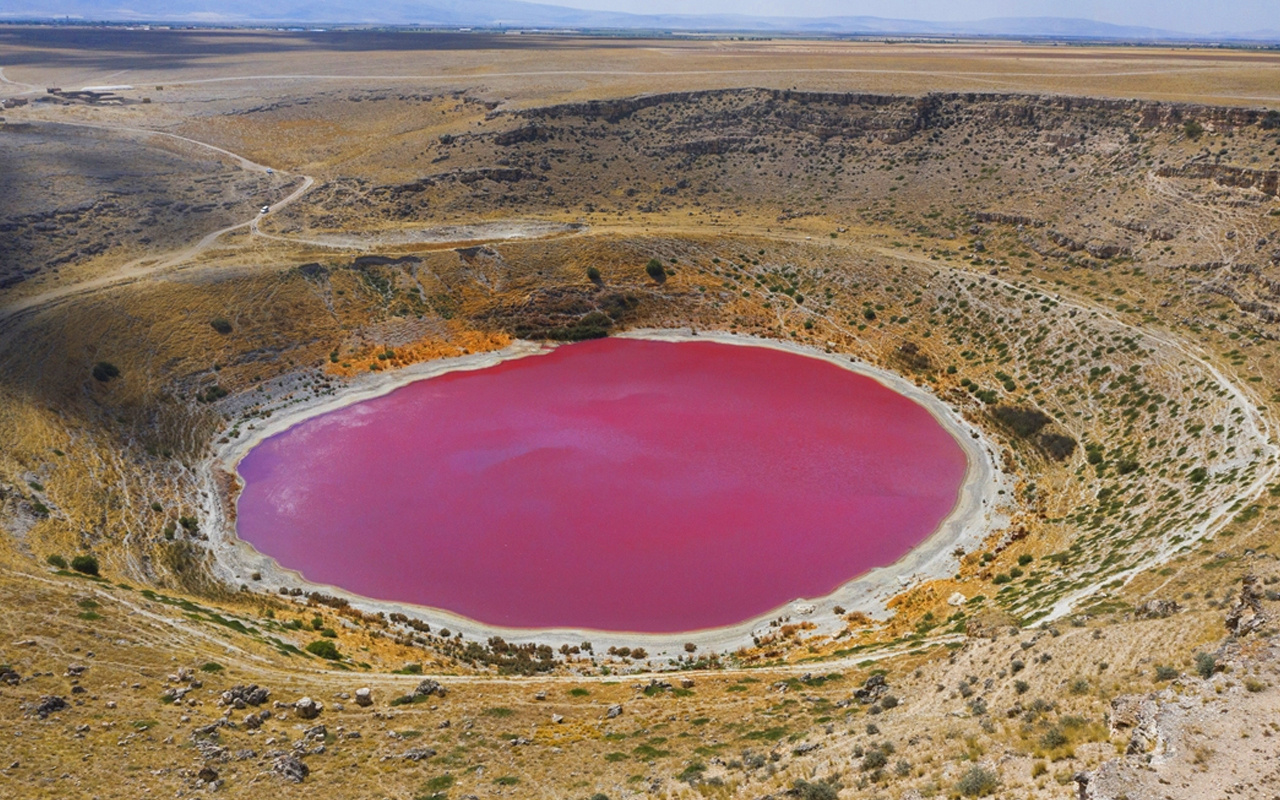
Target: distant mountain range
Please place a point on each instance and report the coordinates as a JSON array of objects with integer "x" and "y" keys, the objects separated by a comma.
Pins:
[{"x": 514, "y": 14}]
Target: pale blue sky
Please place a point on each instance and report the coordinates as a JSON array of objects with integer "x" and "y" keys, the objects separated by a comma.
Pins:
[{"x": 1201, "y": 16}]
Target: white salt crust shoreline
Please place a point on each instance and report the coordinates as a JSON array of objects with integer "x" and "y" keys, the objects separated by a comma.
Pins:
[{"x": 975, "y": 514}]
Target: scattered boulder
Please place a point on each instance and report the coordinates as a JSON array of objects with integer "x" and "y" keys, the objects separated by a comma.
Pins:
[
  {"x": 9, "y": 675},
  {"x": 418, "y": 754},
  {"x": 240, "y": 696},
  {"x": 556, "y": 719},
  {"x": 254, "y": 720},
  {"x": 957, "y": 599},
  {"x": 175, "y": 694},
  {"x": 50, "y": 704},
  {"x": 686, "y": 683},
  {"x": 614, "y": 711},
  {"x": 76, "y": 670},
  {"x": 308, "y": 708},
  {"x": 871, "y": 691},
  {"x": 1246, "y": 616},
  {"x": 316, "y": 732},
  {"x": 364, "y": 697},
  {"x": 207, "y": 774},
  {"x": 209, "y": 749},
  {"x": 1157, "y": 609},
  {"x": 428, "y": 688},
  {"x": 290, "y": 767}
]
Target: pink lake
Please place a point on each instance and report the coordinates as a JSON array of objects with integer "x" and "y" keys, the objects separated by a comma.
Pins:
[{"x": 616, "y": 484}]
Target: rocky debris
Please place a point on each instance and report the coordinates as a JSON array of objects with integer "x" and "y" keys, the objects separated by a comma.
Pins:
[
  {"x": 988, "y": 624},
  {"x": 364, "y": 697},
  {"x": 50, "y": 704},
  {"x": 517, "y": 742},
  {"x": 686, "y": 683},
  {"x": 308, "y": 708},
  {"x": 1266, "y": 181},
  {"x": 9, "y": 675},
  {"x": 174, "y": 694},
  {"x": 183, "y": 675},
  {"x": 654, "y": 686},
  {"x": 1247, "y": 615},
  {"x": 254, "y": 720},
  {"x": 209, "y": 749},
  {"x": 957, "y": 599},
  {"x": 1135, "y": 716},
  {"x": 417, "y": 754},
  {"x": 76, "y": 670},
  {"x": 316, "y": 732},
  {"x": 211, "y": 729},
  {"x": 556, "y": 719},
  {"x": 429, "y": 688},
  {"x": 1006, "y": 218},
  {"x": 871, "y": 691},
  {"x": 290, "y": 767},
  {"x": 240, "y": 696},
  {"x": 207, "y": 774},
  {"x": 540, "y": 696},
  {"x": 1157, "y": 609}
]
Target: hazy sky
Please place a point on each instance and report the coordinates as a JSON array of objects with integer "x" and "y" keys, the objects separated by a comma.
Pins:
[{"x": 1200, "y": 16}]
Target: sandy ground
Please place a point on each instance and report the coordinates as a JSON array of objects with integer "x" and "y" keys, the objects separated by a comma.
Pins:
[
  {"x": 442, "y": 235},
  {"x": 974, "y": 516}
]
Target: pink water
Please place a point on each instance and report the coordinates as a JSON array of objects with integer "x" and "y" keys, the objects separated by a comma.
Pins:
[{"x": 616, "y": 484}]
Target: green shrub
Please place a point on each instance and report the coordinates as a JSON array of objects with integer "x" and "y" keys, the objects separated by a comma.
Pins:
[
  {"x": 56, "y": 561},
  {"x": 439, "y": 783},
  {"x": 221, "y": 325},
  {"x": 1192, "y": 129},
  {"x": 211, "y": 666},
  {"x": 86, "y": 564},
  {"x": 820, "y": 790},
  {"x": 978, "y": 782},
  {"x": 1206, "y": 665},
  {"x": 874, "y": 759},
  {"x": 325, "y": 649},
  {"x": 1165, "y": 673},
  {"x": 593, "y": 274},
  {"x": 655, "y": 270},
  {"x": 1053, "y": 738}
]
